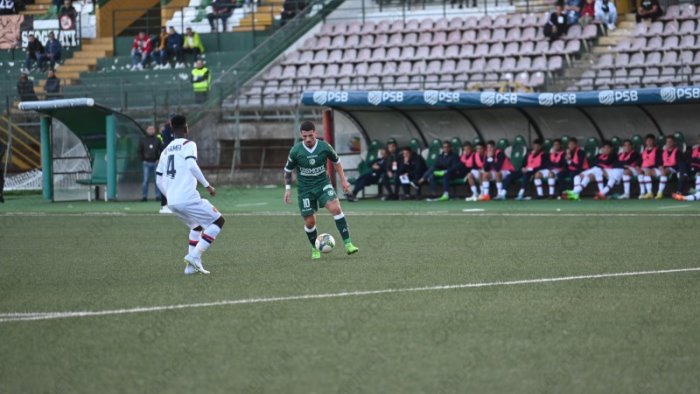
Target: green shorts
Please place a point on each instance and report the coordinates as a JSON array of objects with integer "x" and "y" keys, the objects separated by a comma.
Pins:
[{"x": 310, "y": 199}]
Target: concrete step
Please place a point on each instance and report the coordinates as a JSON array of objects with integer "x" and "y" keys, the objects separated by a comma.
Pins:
[
  {"x": 92, "y": 54},
  {"x": 79, "y": 68},
  {"x": 33, "y": 12}
]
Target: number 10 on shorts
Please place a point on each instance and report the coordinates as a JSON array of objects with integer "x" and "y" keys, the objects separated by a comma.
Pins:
[{"x": 306, "y": 203}]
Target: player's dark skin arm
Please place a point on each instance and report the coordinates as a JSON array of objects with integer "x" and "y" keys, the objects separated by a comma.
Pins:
[{"x": 287, "y": 185}]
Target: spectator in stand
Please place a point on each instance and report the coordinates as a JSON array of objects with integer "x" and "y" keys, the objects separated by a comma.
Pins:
[
  {"x": 557, "y": 25},
  {"x": 192, "y": 43},
  {"x": 141, "y": 51},
  {"x": 67, "y": 16},
  {"x": 25, "y": 88},
  {"x": 649, "y": 10},
  {"x": 173, "y": 47},
  {"x": 201, "y": 80},
  {"x": 290, "y": 8},
  {"x": 150, "y": 149},
  {"x": 411, "y": 167},
  {"x": 587, "y": 12},
  {"x": 221, "y": 9},
  {"x": 8, "y": 7},
  {"x": 606, "y": 12},
  {"x": 52, "y": 52},
  {"x": 573, "y": 11},
  {"x": 52, "y": 86},
  {"x": 35, "y": 53},
  {"x": 378, "y": 169},
  {"x": 446, "y": 167},
  {"x": 160, "y": 54}
]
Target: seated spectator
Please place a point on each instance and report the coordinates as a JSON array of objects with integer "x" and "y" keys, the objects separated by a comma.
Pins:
[
  {"x": 290, "y": 8},
  {"x": 192, "y": 43},
  {"x": 587, "y": 12},
  {"x": 173, "y": 46},
  {"x": 371, "y": 178},
  {"x": 446, "y": 167},
  {"x": 141, "y": 51},
  {"x": 35, "y": 53},
  {"x": 557, "y": 25},
  {"x": 221, "y": 9},
  {"x": 160, "y": 55},
  {"x": 410, "y": 168},
  {"x": 52, "y": 86},
  {"x": 8, "y": 7},
  {"x": 605, "y": 12},
  {"x": 67, "y": 16},
  {"x": 25, "y": 88},
  {"x": 573, "y": 11},
  {"x": 52, "y": 52},
  {"x": 649, "y": 10}
]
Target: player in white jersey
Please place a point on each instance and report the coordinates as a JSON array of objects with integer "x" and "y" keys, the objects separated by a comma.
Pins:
[{"x": 177, "y": 175}]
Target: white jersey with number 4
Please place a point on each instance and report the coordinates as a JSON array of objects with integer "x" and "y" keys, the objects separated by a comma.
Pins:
[{"x": 179, "y": 183}]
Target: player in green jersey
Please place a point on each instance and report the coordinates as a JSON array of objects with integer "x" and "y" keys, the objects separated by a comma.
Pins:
[{"x": 309, "y": 157}]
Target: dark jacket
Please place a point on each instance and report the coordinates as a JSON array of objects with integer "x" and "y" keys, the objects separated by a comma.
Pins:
[
  {"x": 414, "y": 168},
  {"x": 25, "y": 89},
  {"x": 448, "y": 162},
  {"x": 53, "y": 47},
  {"x": 34, "y": 47},
  {"x": 150, "y": 148},
  {"x": 382, "y": 167},
  {"x": 167, "y": 133},
  {"x": 174, "y": 42},
  {"x": 52, "y": 86}
]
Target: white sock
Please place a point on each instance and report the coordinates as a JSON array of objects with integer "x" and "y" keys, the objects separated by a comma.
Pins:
[
  {"x": 599, "y": 181},
  {"x": 662, "y": 183},
  {"x": 538, "y": 185},
  {"x": 626, "y": 183},
  {"x": 208, "y": 237},
  {"x": 551, "y": 182},
  {"x": 499, "y": 187},
  {"x": 521, "y": 192},
  {"x": 195, "y": 236},
  {"x": 485, "y": 187},
  {"x": 474, "y": 191},
  {"x": 647, "y": 182},
  {"x": 642, "y": 185},
  {"x": 577, "y": 184}
]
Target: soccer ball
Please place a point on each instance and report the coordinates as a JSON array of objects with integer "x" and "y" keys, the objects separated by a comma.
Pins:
[{"x": 325, "y": 243}]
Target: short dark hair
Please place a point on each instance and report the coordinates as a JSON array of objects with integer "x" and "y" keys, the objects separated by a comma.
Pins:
[
  {"x": 408, "y": 148},
  {"x": 670, "y": 137},
  {"x": 607, "y": 143},
  {"x": 307, "y": 126},
  {"x": 573, "y": 139},
  {"x": 648, "y": 136},
  {"x": 481, "y": 144},
  {"x": 448, "y": 142},
  {"x": 178, "y": 124},
  {"x": 469, "y": 144},
  {"x": 537, "y": 141},
  {"x": 556, "y": 140},
  {"x": 491, "y": 142},
  {"x": 627, "y": 140}
]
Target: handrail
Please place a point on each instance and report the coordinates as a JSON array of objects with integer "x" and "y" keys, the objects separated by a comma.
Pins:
[{"x": 21, "y": 131}]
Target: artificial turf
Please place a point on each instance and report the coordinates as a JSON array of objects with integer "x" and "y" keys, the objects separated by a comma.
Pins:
[{"x": 625, "y": 334}]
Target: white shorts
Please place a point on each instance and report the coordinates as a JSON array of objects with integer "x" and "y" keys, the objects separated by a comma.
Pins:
[
  {"x": 614, "y": 174},
  {"x": 597, "y": 172},
  {"x": 504, "y": 174},
  {"x": 634, "y": 171},
  {"x": 196, "y": 213},
  {"x": 546, "y": 171},
  {"x": 476, "y": 174},
  {"x": 654, "y": 171}
]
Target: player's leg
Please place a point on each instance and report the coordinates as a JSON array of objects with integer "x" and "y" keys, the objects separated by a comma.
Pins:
[
  {"x": 329, "y": 200},
  {"x": 626, "y": 183},
  {"x": 538, "y": 184},
  {"x": 485, "y": 186},
  {"x": 212, "y": 223},
  {"x": 308, "y": 204},
  {"x": 664, "y": 174},
  {"x": 472, "y": 177}
]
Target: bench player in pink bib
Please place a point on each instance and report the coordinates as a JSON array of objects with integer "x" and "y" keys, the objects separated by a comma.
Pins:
[
  {"x": 473, "y": 161},
  {"x": 605, "y": 161},
  {"x": 630, "y": 161},
  {"x": 555, "y": 164},
  {"x": 650, "y": 166},
  {"x": 497, "y": 167}
]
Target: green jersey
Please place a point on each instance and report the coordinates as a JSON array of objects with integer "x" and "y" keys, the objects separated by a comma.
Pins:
[{"x": 310, "y": 164}]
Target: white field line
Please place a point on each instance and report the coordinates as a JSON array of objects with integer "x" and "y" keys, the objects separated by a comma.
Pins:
[
  {"x": 32, "y": 316},
  {"x": 674, "y": 206},
  {"x": 369, "y": 213}
]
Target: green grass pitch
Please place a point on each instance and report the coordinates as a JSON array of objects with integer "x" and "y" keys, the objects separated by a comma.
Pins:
[{"x": 630, "y": 334}]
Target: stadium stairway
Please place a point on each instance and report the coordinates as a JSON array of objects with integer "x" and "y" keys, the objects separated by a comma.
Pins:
[
  {"x": 263, "y": 18},
  {"x": 84, "y": 60},
  {"x": 39, "y": 8}
]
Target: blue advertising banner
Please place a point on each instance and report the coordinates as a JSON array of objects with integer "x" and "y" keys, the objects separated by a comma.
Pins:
[{"x": 440, "y": 98}]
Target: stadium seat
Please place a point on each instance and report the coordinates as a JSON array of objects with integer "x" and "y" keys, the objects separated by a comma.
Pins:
[
  {"x": 591, "y": 148},
  {"x": 680, "y": 140},
  {"x": 637, "y": 142},
  {"x": 518, "y": 152},
  {"x": 433, "y": 151},
  {"x": 616, "y": 142},
  {"x": 502, "y": 144},
  {"x": 547, "y": 145},
  {"x": 414, "y": 144},
  {"x": 456, "y": 145}
]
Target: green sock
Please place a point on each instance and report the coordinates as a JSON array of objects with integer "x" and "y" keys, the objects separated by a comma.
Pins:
[
  {"x": 342, "y": 226},
  {"x": 312, "y": 233}
]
